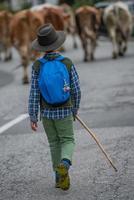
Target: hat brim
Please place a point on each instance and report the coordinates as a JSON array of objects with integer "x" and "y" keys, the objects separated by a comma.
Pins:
[{"x": 55, "y": 45}]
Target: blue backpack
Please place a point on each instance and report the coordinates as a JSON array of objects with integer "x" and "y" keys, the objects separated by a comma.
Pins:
[{"x": 54, "y": 81}]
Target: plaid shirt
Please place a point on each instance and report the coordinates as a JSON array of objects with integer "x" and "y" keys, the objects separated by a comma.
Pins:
[{"x": 53, "y": 113}]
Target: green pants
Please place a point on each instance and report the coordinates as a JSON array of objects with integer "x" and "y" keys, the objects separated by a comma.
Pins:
[{"x": 60, "y": 138}]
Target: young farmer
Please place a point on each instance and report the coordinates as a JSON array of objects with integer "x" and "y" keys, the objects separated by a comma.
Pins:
[{"x": 57, "y": 118}]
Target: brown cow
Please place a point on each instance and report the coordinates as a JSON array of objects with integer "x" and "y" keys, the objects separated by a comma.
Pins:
[
  {"x": 23, "y": 31},
  {"x": 88, "y": 22},
  {"x": 5, "y": 41},
  {"x": 53, "y": 14},
  {"x": 70, "y": 24}
]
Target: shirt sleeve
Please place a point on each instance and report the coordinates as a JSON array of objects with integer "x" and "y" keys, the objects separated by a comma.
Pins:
[
  {"x": 75, "y": 90},
  {"x": 34, "y": 97}
]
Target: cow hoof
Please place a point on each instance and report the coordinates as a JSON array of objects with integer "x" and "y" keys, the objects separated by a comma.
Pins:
[
  {"x": 92, "y": 57},
  {"x": 114, "y": 55},
  {"x": 85, "y": 60},
  {"x": 75, "y": 46},
  {"x": 124, "y": 49},
  {"x": 10, "y": 57},
  {"x": 6, "y": 59},
  {"x": 25, "y": 80},
  {"x": 121, "y": 54}
]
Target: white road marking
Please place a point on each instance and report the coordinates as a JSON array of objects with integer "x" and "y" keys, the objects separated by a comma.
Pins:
[{"x": 13, "y": 122}]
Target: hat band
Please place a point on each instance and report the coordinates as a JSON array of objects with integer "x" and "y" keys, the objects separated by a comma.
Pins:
[{"x": 45, "y": 41}]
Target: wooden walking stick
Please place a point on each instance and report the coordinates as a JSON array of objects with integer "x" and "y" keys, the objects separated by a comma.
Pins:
[{"x": 96, "y": 140}]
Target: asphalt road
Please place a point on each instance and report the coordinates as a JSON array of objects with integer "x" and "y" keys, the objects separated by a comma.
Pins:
[{"x": 107, "y": 107}]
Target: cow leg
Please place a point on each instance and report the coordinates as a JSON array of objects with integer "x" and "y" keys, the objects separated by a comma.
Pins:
[
  {"x": 24, "y": 52},
  {"x": 114, "y": 54},
  {"x": 119, "y": 44},
  {"x": 25, "y": 62},
  {"x": 90, "y": 56},
  {"x": 93, "y": 46},
  {"x": 8, "y": 54},
  {"x": 25, "y": 79},
  {"x": 7, "y": 50},
  {"x": 85, "y": 47},
  {"x": 120, "y": 49},
  {"x": 73, "y": 32},
  {"x": 90, "y": 48},
  {"x": 114, "y": 43},
  {"x": 75, "y": 46},
  {"x": 124, "y": 48}
]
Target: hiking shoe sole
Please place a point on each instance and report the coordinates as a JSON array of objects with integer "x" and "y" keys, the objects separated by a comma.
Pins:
[{"x": 57, "y": 185}]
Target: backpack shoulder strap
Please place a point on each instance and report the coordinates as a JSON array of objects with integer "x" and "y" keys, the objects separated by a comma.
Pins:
[
  {"x": 37, "y": 63},
  {"x": 67, "y": 62}
]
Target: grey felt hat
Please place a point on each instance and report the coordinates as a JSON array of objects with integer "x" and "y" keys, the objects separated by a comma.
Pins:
[{"x": 48, "y": 38}]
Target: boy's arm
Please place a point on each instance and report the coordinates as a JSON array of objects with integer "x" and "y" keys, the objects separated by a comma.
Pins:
[
  {"x": 75, "y": 90},
  {"x": 34, "y": 97}
]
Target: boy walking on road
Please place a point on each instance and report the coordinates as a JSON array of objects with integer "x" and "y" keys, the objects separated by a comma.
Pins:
[{"x": 57, "y": 112}]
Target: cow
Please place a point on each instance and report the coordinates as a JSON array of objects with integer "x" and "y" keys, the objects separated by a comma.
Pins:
[
  {"x": 23, "y": 31},
  {"x": 54, "y": 14},
  {"x": 118, "y": 21},
  {"x": 5, "y": 40},
  {"x": 70, "y": 25},
  {"x": 88, "y": 21}
]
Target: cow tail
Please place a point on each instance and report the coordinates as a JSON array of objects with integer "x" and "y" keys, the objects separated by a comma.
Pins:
[{"x": 89, "y": 34}]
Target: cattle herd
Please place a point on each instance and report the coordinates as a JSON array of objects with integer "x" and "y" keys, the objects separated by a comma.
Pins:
[{"x": 19, "y": 29}]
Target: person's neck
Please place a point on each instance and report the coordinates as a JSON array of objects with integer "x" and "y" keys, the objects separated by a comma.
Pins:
[{"x": 51, "y": 52}]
